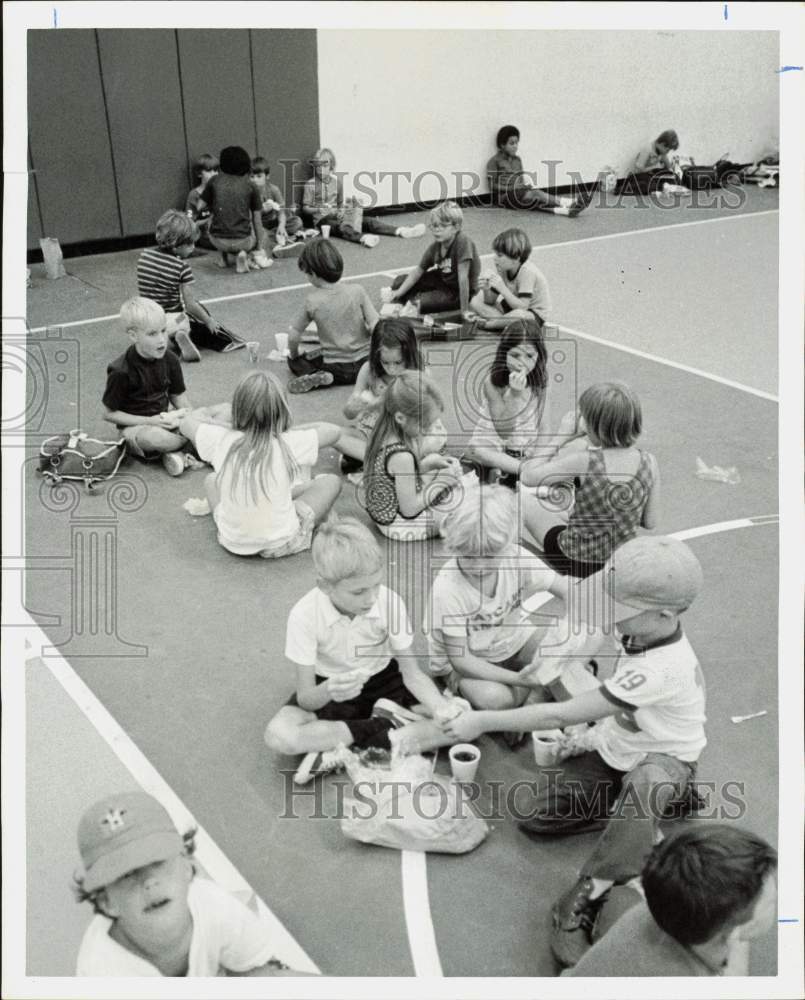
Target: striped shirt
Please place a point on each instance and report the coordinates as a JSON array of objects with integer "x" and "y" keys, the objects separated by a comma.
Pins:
[{"x": 160, "y": 276}]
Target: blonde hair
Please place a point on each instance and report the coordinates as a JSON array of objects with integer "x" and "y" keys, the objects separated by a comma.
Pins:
[
  {"x": 448, "y": 214},
  {"x": 175, "y": 229},
  {"x": 261, "y": 412},
  {"x": 612, "y": 414},
  {"x": 325, "y": 151},
  {"x": 416, "y": 397},
  {"x": 139, "y": 313},
  {"x": 344, "y": 547},
  {"x": 483, "y": 524}
]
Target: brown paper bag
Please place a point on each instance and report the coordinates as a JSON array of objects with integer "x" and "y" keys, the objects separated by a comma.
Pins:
[{"x": 51, "y": 252}]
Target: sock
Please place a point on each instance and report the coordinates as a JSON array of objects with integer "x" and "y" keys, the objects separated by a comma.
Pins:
[
  {"x": 600, "y": 886},
  {"x": 565, "y": 202},
  {"x": 370, "y": 733},
  {"x": 562, "y": 210}
]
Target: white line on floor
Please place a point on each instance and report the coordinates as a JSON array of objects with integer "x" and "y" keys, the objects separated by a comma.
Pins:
[
  {"x": 209, "y": 854},
  {"x": 669, "y": 363},
  {"x": 719, "y": 526},
  {"x": 418, "y": 919},
  {"x": 391, "y": 273}
]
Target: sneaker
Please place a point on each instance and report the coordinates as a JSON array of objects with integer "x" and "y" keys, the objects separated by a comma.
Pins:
[
  {"x": 412, "y": 232},
  {"x": 385, "y": 708},
  {"x": 581, "y": 202},
  {"x": 187, "y": 348},
  {"x": 348, "y": 464},
  {"x": 261, "y": 260},
  {"x": 191, "y": 462},
  {"x": 315, "y": 380},
  {"x": 319, "y": 762},
  {"x": 173, "y": 463},
  {"x": 573, "y": 917},
  {"x": 242, "y": 263},
  {"x": 283, "y": 250},
  {"x": 369, "y": 240}
]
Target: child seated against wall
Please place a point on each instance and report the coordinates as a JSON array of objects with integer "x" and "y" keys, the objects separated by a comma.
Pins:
[
  {"x": 280, "y": 222},
  {"x": 204, "y": 169}
]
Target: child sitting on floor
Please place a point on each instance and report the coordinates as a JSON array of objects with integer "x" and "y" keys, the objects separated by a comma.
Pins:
[
  {"x": 447, "y": 277},
  {"x": 164, "y": 275},
  {"x": 393, "y": 350},
  {"x": 344, "y": 637},
  {"x": 517, "y": 289},
  {"x": 618, "y": 485},
  {"x": 154, "y": 914},
  {"x": 344, "y": 319},
  {"x": 145, "y": 392},
  {"x": 323, "y": 204},
  {"x": 479, "y": 632},
  {"x": 261, "y": 501},
  {"x": 649, "y": 728},
  {"x": 236, "y": 207},
  {"x": 281, "y": 222},
  {"x": 204, "y": 169},
  {"x": 511, "y": 188}
]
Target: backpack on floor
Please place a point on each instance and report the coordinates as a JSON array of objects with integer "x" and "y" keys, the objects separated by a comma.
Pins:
[{"x": 78, "y": 456}]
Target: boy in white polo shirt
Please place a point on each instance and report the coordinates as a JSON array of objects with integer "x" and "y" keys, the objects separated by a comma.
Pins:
[
  {"x": 648, "y": 734},
  {"x": 342, "y": 637}
]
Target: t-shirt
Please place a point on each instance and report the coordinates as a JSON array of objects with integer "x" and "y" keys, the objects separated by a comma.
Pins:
[
  {"x": 193, "y": 205},
  {"x": 637, "y": 946},
  {"x": 142, "y": 386},
  {"x": 270, "y": 192},
  {"x": 321, "y": 198},
  {"x": 226, "y": 936},
  {"x": 660, "y": 695},
  {"x": 319, "y": 635},
  {"x": 463, "y": 620},
  {"x": 344, "y": 319},
  {"x": 232, "y": 200},
  {"x": 531, "y": 282},
  {"x": 446, "y": 261},
  {"x": 649, "y": 159},
  {"x": 503, "y": 171},
  {"x": 160, "y": 276},
  {"x": 248, "y": 524}
]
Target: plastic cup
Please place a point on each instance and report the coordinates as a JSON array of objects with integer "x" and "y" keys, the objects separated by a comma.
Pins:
[
  {"x": 546, "y": 746},
  {"x": 325, "y": 232},
  {"x": 464, "y": 760},
  {"x": 281, "y": 340},
  {"x": 253, "y": 347},
  {"x": 385, "y": 294}
]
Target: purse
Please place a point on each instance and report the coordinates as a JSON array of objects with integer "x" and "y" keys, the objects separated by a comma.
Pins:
[{"x": 78, "y": 456}]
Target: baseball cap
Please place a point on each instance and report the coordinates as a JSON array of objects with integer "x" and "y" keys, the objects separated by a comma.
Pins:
[
  {"x": 123, "y": 832},
  {"x": 651, "y": 573}
]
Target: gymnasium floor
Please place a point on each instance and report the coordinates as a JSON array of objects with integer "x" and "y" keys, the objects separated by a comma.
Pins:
[{"x": 679, "y": 302}]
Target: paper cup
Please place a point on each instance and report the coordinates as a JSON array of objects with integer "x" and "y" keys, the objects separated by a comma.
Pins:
[
  {"x": 385, "y": 294},
  {"x": 281, "y": 340},
  {"x": 464, "y": 760},
  {"x": 546, "y": 746},
  {"x": 253, "y": 347},
  {"x": 325, "y": 232}
]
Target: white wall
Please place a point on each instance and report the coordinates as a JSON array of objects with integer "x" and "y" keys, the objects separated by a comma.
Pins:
[{"x": 433, "y": 100}]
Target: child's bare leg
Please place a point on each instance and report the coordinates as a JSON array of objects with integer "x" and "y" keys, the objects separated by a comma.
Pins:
[
  {"x": 212, "y": 491},
  {"x": 154, "y": 439},
  {"x": 353, "y": 446},
  {"x": 294, "y": 730},
  {"x": 223, "y": 260},
  {"x": 320, "y": 494},
  {"x": 218, "y": 413},
  {"x": 489, "y": 694},
  {"x": 538, "y": 519}
]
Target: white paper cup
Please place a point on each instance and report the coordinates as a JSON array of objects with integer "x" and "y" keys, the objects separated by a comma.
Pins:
[
  {"x": 546, "y": 746},
  {"x": 281, "y": 340},
  {"x": 385, "y": 293},
  {"x": 253, "y": 347},
  {"x": 325, "y": 232},
  {"x": 464, "y": 760}
]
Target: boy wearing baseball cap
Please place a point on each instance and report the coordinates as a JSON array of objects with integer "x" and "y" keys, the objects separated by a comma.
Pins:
[
  {"x": 153, "y": 916},
  {"x": 648, "y": 734}
]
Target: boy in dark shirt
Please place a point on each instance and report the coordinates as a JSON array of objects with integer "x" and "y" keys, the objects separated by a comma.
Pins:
[{"x": 145, "y": 392}]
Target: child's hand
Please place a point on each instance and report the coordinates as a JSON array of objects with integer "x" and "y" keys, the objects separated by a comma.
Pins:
[
  {"x": 434, "y": 461},
  {"x": 449, "y": 709},
  {"x": 495, "y": 283},
  {"x": 518, "y": 379},
  {"x": 269, "y": 205},
  {"x": 347, "y": 685},
  {"x": 213, "y": 325},
  {"x": 463, "y": 727},
  {"x": 170, "y": 419}
]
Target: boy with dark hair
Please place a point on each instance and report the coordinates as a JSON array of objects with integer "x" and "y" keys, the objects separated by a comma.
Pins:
[
  {"x": 204, "y": 169},
  {"x": 511, "y": 188},
  {"x": 281, "y": 222},
  {"x": 344, "y": 319},
  {"x": 516, "y": 289},
  {"x": 709, "y": 891}
]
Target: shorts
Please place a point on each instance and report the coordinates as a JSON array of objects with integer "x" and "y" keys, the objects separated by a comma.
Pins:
[
  {"x": 386, "y": 684},
  {"x": 301, "y": 541},
  {"x": 233, "y": 245},
  {"x": 564, "y": 565}
]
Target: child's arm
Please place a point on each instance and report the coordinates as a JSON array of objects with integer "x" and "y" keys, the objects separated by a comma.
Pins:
[
  {"x": 413, "y": 277},
  {"x": 587, "y": 707},
  {"x": 468, "y": 665},
  {"x": 298, "y": 328},
  {"x": 370, "y": 314},
  {"x": 197, "y": 311},
  {"x": 643, "y": 158},
  {"x": 571, "y": 463},
  {"x": 464, "y": 285},
  {"x": 123, "y": 419},
  {"x": 413, "y": 501},
  {"x": 259, "y": 232},
  {"x": 357, "y": 402},
  {"x": 312, "y": 696},
  {"x": 421, "y": 685},
  {"x": 652, "y": 508}
]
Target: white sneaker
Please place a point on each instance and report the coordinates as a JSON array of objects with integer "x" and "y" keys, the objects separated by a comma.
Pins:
[
  {"x": 412, "y": 232},
  {"x": 260, "y": 258},
  {"x": 173, "y": 463},
  {"x": 319, "y": 762},
  {"x": 370, "y": 240}
]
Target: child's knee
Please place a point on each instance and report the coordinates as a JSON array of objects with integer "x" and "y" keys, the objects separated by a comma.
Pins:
[
  {"x": 486, "y": 695},
  {"x": 159, "y": 439},
  {"x": 279, "y": 738}
]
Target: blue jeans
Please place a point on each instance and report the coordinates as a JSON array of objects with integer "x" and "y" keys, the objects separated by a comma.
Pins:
[{"x": 587, "y": 794}]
